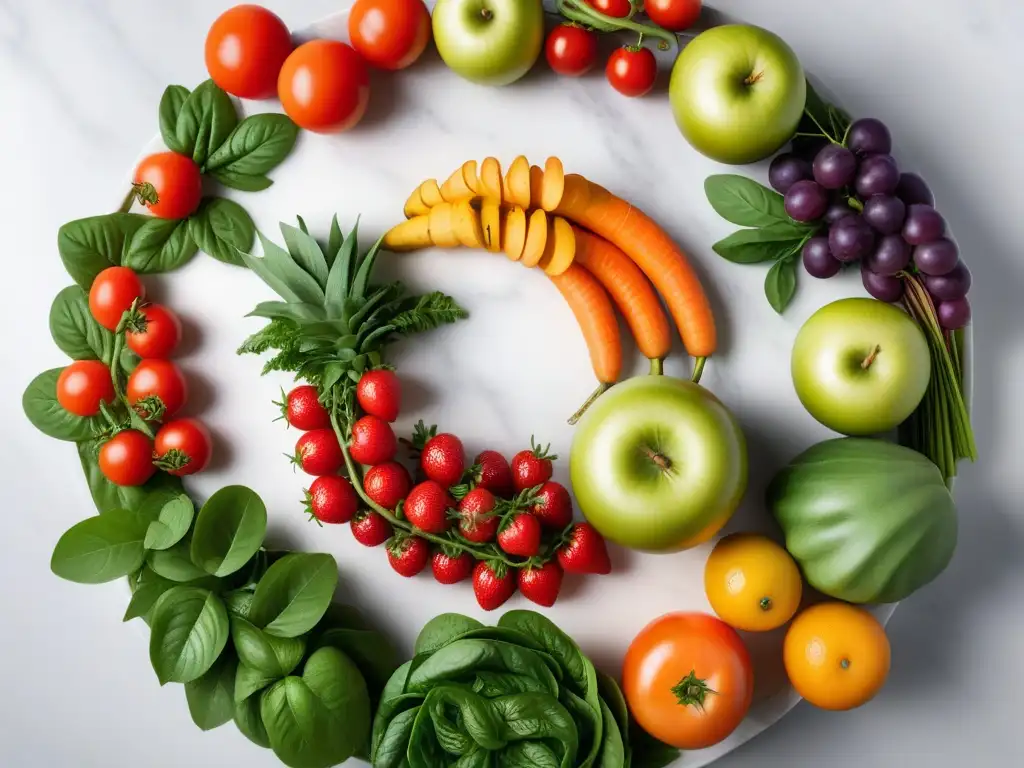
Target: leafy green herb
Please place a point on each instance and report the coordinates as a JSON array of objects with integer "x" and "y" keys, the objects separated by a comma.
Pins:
[
  {"x": 250, "y": 681},
  {"x": 222, "y": 228},
  {"x": 100, "y": 548},
  {"x": 210, "y": 697},
  {"x": 171, "y": 102},
  {"x": 74, "y": 329},
  {"x": 149, "y": 588},
  {"x": 294, "y": 593},
  {"x": 780, "y": 283},
  {"x": 258, "y": 144},
  {"x": 229, "y": 530},
  {"x": 175, "y": 563},
  {"x": 243, "y": 182},
  {"x": 88, "y": 246},
  {"x": 266, "y": 653},
  {"x": 249, "y": 721},
  {"x": 752, "y": 246},
  {"x": 744, "y": 202},
  {"x": 159, "y": 245},
  {"x": 49, "y": 417},
  {"x": 172, "y": 523},
  {"x": 108, "y": 496},
  {"x": 206, "y": 119},
  {"x": 187, "y": 634}
]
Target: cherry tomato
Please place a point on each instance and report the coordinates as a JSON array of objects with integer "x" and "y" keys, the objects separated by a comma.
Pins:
[
  {"x": 245, "y": 49},
  {"x": 177, "y": 185},
  {"x": 83, "y": 385},
  {"x": 618, "y": 8},
  {"x": 112, "y": 293},
  {"x": 158, "y": 334},
  {"x": 390, "y": 34},
  {"x": 182, "y": 447},
  {"x": 673, "y": 15},
  {"x": 571, "y": 50},
  {"x": 632, "y": 71},
  {"x": 127, "y": 458},
  {"x": 324, "y": 86},
  {"x": 160, "y": 379},
  {"x": 688, "y": 679}
]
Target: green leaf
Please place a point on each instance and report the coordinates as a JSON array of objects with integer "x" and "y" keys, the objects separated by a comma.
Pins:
[
  {"x": 170, "y": 107},
  {"x": 107, "y": 496},
  {"x": 613, "y": 748},
  {"x": 160, "y": 245},
  {"x": 241, "y": 181},
  {"x": 206, "y": 119},
  {"x": 249, "y": 721},
  {"x": 100, "y": 548},
  {"x": 427, "y": 312},
  {"x": 222, "y": 228},
  {"x": 752, "y": 246},
  {"x": 256, "y": 145},
  {"x": 285, "y": 310},
  {"x": 188, "y": 633},
  {"x": 334, "y": 241},
  {"x": 49, "y": 417},
  {"x": 74, "y": 329},
  {"x": 441, "y": 630},
  {"x": 229, "y": 530},
  {"x": 294, "y": 593},
  {"x": 743, "y": 201},
  {"x": 361, "y": 281},
  {"x": 149, "y": 589},
  {"x": 648, "y": 752},
  {"x": 305, "y": 251},
  {"x": 559, "y": 645},
  {"x": 172, "y": 523},
  {"x": 339, "y": 281},
  {"x": 211, "y": 697},
  {"x": 88, "y": 246},
  {"x": 780, "y": 284},
  {"x": 300, "y": 285},
  {"x": 274, "y": 656},
  {"x": 371, "y": 651},
  {"x": 175, "y": 563},
  {"x": 249, "y": 681}
]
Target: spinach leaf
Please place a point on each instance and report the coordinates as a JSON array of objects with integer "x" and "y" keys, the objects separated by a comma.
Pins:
[
  {"x": 222, "y": 228},
  {"x": 256, "y": 145},
  {"x": 107, "y": 496},
  {"x": 206, "y": 119},
  {"x": 189, "y": 630},
  {"x": 579, "y": 669},
  {"x": 371, "y": 651},
  {"x": 249, "y": 721},
  {"x": 493, "y": 684},
  {"x": 442, "y": 629},
  {"x": 536, "y": 716},
  {"x": 752, "y": 246},
  {"x": 589, "y": 725},
  {"x": 229, "y": 530},
  {"x": 743, "y": 201},
  {"x": 174, "y": 563},
  {"x": 243, "y": 182},
  {"x": 88, "y": 246},
  {"x": 616, "y": 702},
  {"x": 249, "y": 681},
  {"x": 780, "y": 284},
  {"x": 294, "y": 593},
  {"x": 159, "y": 245},
  {"x": 392, "y": 746},
  {"x": 273, "y": 656},
  {"x": 151, "y": 586},
  {"x": 210, "y": 697},
  {"x": 100, "y": 548},
  {"x": 74, "y": 329},
  {"x": 462, "y": 659},
  {"x": 528, "y": 754},
  {"x": 170, "y": 107},
  {"x": 49, "y": 417},
  {"x": 172, "y": 523},
  {"x": 613, "y": 747}
]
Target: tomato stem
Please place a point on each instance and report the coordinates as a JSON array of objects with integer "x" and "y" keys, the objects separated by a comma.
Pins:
[
  {"x": 602, "y": 388},
  {"x": 692, "y": 691}
]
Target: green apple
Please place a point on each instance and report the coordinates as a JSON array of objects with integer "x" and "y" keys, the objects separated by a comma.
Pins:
[
  {"x": 658, "y": 464},
  {"x": 491, "y": 42},
  {"x": 860, "y": 366},
  {"x": 738, "y": 93}
]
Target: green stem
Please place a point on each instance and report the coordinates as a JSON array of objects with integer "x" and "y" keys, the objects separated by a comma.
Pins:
[
  {"x": 583, "y": 13},
  {"x": 698, "y": 369},
  {"x": 129, "y": 200},
  {"x": 854, "y": 203},
  {"x": 601, "y": 389},
  {"x": 657, "y": 366},
  {"x": 138, "y": 422}
]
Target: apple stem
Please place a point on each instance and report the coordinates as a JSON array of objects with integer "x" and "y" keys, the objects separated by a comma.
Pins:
[
  {"x": 661, "y": 462},
  {"x": 486, "y": 14},
  {"x": 589, "y": 402},
  {"x": 866, "y": 363},
  {"x": 657, "y": 367},
  {"x": 698, "y": 369}
]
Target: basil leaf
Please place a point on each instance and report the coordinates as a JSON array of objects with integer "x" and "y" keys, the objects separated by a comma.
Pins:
[
  {"x": 170, "y": 107},
  {"x": 241, "y": 181},
  {"x": 74, "y": 329},
  {"x": 188, "y": 632},
  {"x": 211, "y": 697},
  {"x": 229, "y": 530},
  {"x": 100, "y": 548},
  {"x": 205, "y": 121},
  {"x": 172, "y": 523},
  {"x": 107, "y": 496},
  {"x": 780, "y": 284},
  {"x": 743, "y": 201},
  {"x": 160, "y": 245},
  {"x": 256, "y": 145},
  {"x": 249, "y": 680},
  {"x": 371, "y": 651},
  {"x": 149, "y": 589},
  {"x": 175, "y": 563},
  {"x": 222, "y": 228},
  {"x": 249, "y": 721},
  {"x": 88, "y": 246},
  {"x": 49, "y": 417},
  {"x": 238, "y": 602},
  {"x": 274, "y": 656},
  {"x": 752, "y": 246},
  {"x": 294, "y": 593},
  {"x": 441, "y": 630},
  {"x": 306, "y": 253}
]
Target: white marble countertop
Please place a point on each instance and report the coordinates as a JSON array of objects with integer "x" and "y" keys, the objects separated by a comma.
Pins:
[{"x": 81, "y": 79}]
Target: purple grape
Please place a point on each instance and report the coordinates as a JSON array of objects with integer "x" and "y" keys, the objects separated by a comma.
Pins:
[
  {"x": 884, "y": 213},
  {"x": 923, "y": 225},
  {"x": 937, "y": 257},
  {"x": 869, "y": 136},
  {"x": 851, "y": 239},
  {"x": 954, "y": 314},
  {"x": 882, "y": 287},
  {"x": 806, "y": 201},
  {"x": 787, "y": 169},
  {"x": 818, "y": 259},
  {"x": 834, "y": 167},
  {"x": 877, "y": 175},
  {"x": 891, "y": 256},
  {"x": 837, "y": 210},
  {"x": 912, "y": 189},
  {"x": 951, "y": 286}
]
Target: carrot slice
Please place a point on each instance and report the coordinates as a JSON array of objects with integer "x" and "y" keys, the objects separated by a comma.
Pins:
[
  {"x": 430, "y": 193},
  {"x": 595, "y": 314},
  {"x": 536, "y": 238},
  {"x": 518, "y": 182},
  {"x": 490, "y": 177},
  {"x": 466, "y": 224},
  {"x": 513, "y": 235},
  {"x": 560, "y": 248},
  {"x": 442, "y": 229},
  {"x": 470, "y": 178},
  {"x": 536, "y": 184},
  {"x": 490, "y": 221},
  {"x": 415, "y": 206},
  {"x": 410, "y": 235},
  {"x": 552, "y": 185},
  {"x": 455, "y": 189}
]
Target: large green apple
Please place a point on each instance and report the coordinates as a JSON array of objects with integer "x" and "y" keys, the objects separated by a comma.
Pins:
[
  {"x": 738, "y": 93},
  {"x": 491, "y": 42},
  {"x": 860, "y": 366},
  {"x": 658, "y": 464}
]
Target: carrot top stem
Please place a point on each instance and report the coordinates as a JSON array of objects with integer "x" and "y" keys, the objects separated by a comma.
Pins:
[
  {"x": 698, "y": 369},
  {"x": 601, "y": 389}
]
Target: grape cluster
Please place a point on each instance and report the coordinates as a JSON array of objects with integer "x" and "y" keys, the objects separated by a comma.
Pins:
[{"x": 873, "y": 214}]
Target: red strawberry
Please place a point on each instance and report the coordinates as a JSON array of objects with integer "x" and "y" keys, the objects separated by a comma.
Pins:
[
  {"x": 533, "y": 467},
  {"x": 541, "y": 584},
  {"x": 520, "y": 535},
  {"x": 302, "y": 408},
  {"x": 443, "y": 459},
  {"x": 427, "y": 507},
  {"x": 318, "y": 452},
  {"x": 477, "y": 521},
  {"x": 451, "y": 568},
  {"x": 584, "y": 551},
  {"x": 493, "y": 584},
  {"x": 373, "y": 441},
  {"x": 408, "y": 555},
  {"x": 491, "y": 471},
  {"x": 370, "y": 528},
  {"x": 379, "y": 393},
  {"x": 331, "y": 499},
  {"x": 387, "y": 484},
  {"x": 553, "y": 506}
]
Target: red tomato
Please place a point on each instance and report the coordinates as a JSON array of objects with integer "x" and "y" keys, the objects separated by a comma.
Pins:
[
  {"x": 112, "y": 294},
  {"x": 620, "y": 9},
  {"x": 159, "y": 379},
  {"x": 571, "y": 50},
  {"x": 83, "y": 385},
  {"x": 390, "y": 34},
  {"x": 158, "y": 333},
  {"x": 674, "y": 15},
  {"x": 127, "y": 458},
  {"x": 245, "y": 49},
  {"x": 324, "y": 86},
  {"x": 632, "y": 71},
  {"x": 176, "y": 181},
  {"x": 182, "y": 447}
]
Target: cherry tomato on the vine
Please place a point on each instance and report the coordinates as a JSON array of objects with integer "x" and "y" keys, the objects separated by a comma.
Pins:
[
  {"x": 127, "y": 458},
  {"x": 156, "y": 380},
  {"x": 390, "y": 34},
  {"x": 245, "y": 49},
  {"x": 324, "y": 86},
  {"x": 673, "y": 15},
  {"x": 618, "y": 8},
  {"x": 631, "y": 70},
  {"x": 177, "y": 185},
  {"x": 571, "y": 50},
  {"x": 182, "y": 447},
  {"x": 112, "y": 292},
  {"x": 83, "y": 385},
  {"x": 158, "y": 334}
]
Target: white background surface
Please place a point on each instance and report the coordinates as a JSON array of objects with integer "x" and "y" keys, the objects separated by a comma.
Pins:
[{"x": 81, "y": 81}]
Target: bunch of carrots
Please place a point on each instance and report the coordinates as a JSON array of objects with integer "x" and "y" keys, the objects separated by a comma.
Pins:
[{"x": 600, "y": 251}]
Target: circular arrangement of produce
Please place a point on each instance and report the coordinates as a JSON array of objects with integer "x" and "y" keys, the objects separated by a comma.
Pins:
[{"x": 604, "y": 511}]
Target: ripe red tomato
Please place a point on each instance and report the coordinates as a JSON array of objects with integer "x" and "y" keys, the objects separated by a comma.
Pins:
[
  {"x": 324, "y": 86},
  {"x": 632, "y": 71},
  {"x": 83, "y": 385},
  {"x": 390, "y": 34},
  {"x": 620, "y": 9},
  {"x": 127, "y": 458},
  {"x": 112, "y": 293},
  {"x": 182, "y": 447},
  {"x": 571, "y": 50},
  {"x": 176, "y": 181},
  {"x": 158, "y": 333},
  {"x": 154, "y": 380},
  {"x": 674, "y": 15},
  {"x": 245, "y": 49}
]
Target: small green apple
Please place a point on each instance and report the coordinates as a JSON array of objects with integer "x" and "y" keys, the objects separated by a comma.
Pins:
[
  {"x": 738, "y": 93},
  {"x": 860, "y": 366},
  {"x": 490, "y": 42}
]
